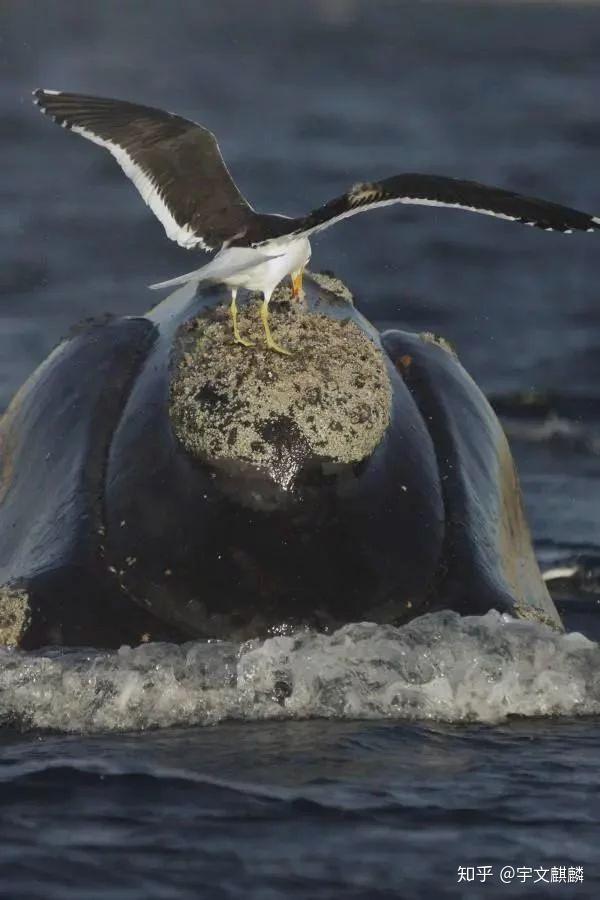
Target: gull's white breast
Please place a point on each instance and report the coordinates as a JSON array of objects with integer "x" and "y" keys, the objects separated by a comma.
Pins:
[{"x": 251, "y": 270}]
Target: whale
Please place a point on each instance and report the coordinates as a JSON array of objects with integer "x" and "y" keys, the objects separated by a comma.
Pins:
[{"x": 160, "y": 483}]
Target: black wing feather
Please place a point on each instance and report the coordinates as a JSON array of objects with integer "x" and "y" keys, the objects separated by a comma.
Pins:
[
  {"x": 437, "y": 190},
  {"x": 181, "y": 159}
]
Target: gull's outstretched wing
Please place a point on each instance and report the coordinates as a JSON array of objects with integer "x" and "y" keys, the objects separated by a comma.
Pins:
[
  {"x": 175, "y": 164},
  {"x": 436, "y": 190}
]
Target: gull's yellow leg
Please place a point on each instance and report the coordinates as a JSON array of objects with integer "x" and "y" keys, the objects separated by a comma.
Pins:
[
  {"x": 297, "y": 282},
  {"x": 236, "y": 331},
  {"x": 264, "y": 315}
]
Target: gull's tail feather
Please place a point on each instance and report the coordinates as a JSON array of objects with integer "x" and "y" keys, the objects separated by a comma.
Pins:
[
  {"x": 181, "y": 279},
  {"x": 230, "y": 262}
]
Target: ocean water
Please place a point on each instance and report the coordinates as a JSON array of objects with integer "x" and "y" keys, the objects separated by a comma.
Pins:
[
  {"x": 366, "y": 763},
  {"x": 373, "y": 762}
]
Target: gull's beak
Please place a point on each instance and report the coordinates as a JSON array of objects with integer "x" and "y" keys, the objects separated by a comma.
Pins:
[{"x": 297, "y": 283}]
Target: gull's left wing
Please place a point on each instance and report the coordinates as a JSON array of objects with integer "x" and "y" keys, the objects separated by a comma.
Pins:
[
  {"x": 436, "y": 190},
  {"x": 175, "y": 164}
]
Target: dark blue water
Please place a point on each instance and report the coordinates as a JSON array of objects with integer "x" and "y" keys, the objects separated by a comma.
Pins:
[
  {"x": 399, "y": 756},
  {"x": 311, "y": 810}
]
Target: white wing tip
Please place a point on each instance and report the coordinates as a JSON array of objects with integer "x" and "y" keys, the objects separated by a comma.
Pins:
[{"x": 36, "y": 94}]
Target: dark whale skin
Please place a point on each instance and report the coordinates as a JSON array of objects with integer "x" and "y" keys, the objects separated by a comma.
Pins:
[
  {"x": 54, "y": 440},
  {"x": 489, "y": 561}
]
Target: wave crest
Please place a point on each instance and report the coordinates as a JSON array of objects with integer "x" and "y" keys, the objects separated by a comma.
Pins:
[{"x": 440, "y": 666}]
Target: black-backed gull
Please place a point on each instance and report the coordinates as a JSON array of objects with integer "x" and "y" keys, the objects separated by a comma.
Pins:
[{"x": 178, "y": 169}]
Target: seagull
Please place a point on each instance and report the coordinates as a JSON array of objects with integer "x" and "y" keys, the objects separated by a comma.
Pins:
[{"x": 177, "y": 167}]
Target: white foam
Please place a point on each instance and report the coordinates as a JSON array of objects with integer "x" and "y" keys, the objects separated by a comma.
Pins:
[
  {"x": 559, "y": 572},
  {"x": 554, "y": 429},
  {"x": 441, "y": 667}
]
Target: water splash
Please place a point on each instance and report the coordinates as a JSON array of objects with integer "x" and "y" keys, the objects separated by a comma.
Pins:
[
  {"x": 555, "y": 431},
  {"x": 440, "y": 666}
]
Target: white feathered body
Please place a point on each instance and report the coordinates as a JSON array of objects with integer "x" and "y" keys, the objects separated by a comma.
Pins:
[{"x": 251, "y": 268}]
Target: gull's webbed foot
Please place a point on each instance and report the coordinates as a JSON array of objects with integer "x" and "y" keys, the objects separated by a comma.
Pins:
[
  {"x": 233, "y": 310},
  {"x": 238, "y": 339},
  {"x": 273, "y": 345},
  {"x": 270, "y": 341}
]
